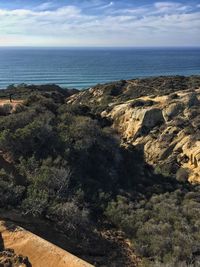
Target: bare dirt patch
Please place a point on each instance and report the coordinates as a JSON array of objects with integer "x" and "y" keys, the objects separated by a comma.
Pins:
[
  {"x": 39, "y": 251},
  {"x": 13, "y": 103}
]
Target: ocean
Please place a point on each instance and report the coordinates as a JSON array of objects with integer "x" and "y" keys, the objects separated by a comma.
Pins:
[{"x": 84, "y": 67}]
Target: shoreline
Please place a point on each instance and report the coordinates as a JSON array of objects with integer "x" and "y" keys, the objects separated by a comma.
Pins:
[{"x": 22, "y": 85}]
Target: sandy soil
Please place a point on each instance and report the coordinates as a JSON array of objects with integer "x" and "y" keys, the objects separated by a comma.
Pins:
[
  {"x": 40, "y": 252},
  {"x": 7, "y": 101}
]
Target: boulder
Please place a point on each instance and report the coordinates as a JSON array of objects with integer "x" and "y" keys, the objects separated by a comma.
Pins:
[
  {"x": 192, "y": 100},
  {"x": 172, "y": 111},
  {"x": 152, "y": 117},
  {"x": 133, "y": 122}
]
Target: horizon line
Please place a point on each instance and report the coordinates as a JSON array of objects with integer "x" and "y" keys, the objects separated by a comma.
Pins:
[{"x": 119, "y": 47}]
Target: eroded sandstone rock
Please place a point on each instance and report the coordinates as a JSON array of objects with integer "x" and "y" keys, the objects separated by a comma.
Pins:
[
  {"x": 172, "y": 110},
  {"x": 134, "y": 121},
  {"x": 161, "y": 115},
  {"x": 168, "y": 128}
]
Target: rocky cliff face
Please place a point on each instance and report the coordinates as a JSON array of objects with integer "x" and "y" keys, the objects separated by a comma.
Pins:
[
  {"x": 162, "y": 116},
  {"x": 168, "y": 131}
]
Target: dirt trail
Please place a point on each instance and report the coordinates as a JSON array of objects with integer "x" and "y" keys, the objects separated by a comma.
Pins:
[
  {"x": 13, "y": 103},
  {"x": 40, "y": 252}
]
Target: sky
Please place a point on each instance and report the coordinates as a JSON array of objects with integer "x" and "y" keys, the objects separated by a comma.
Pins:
[{"x": 100, "y": 23}]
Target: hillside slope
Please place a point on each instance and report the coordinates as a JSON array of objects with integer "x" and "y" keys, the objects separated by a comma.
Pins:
[
  {"x": 161, "y": 116},
  {"x": 103, "y": 173}
]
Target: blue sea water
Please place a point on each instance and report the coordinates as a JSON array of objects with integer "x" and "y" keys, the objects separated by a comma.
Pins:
[{"x": 85, "y": 67}]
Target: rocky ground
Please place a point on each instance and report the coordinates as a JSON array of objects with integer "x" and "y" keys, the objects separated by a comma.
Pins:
[
  {"x": 8, "y": 258},
  {"x": 161, "y": 116}
]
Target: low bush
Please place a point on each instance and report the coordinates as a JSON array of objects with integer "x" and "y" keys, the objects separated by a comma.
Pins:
[
  {"x": 11, "y": 194},
  {"x": 164, "y": 228},
  {"x": 5, "y": 109}
]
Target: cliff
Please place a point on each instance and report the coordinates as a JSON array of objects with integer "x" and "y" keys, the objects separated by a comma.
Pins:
[{"x": 161, "y": 116}]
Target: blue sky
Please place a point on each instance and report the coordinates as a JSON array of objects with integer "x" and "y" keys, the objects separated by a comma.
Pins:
[{"x": 99, "y": 23}]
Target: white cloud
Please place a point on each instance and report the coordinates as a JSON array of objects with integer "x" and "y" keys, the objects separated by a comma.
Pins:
[
  {"x": 106, "y": 6},
  {"x": 166, "y": 5},
  {"x": 158, "y": 24},
  {"x": 171, "y": 7},
  {"x": 134, "y": 11},
  {"x": 45, "y": 6}
]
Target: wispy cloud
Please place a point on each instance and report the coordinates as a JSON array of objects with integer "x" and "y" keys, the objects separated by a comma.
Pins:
[
  {"x": 106, "y": 6},
  {"x": 45, "y": 6},
  {"x": 172, "y": 7},
  {"x": 165, "y": 6},
  {"x": 159, "y": 23}
]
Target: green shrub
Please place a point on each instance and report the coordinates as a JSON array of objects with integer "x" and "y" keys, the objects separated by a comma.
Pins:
[
  {"x": 164, "y": 228},
  {"x": 70, "y": 217},
  {"x": 36, "y": 202},
  {"x": 10, "y": 194}
]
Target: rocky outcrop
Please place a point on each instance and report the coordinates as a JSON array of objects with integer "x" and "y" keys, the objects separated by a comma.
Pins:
[
  {"x": 8, "y": 258},
  {"x": 133, "y": 121},
  {"x": 168, "y": 130},
  {"x": 191, "y": 99},
  {"x": 162, "y": 115},
  {"x": 172, "y": 111}
]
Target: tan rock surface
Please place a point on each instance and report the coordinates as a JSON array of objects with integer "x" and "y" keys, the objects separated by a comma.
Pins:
[
  {"x": 161, "y": 129},
  {"x": 161, "y": 115},
  {"x": 40, "y": 252}
]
